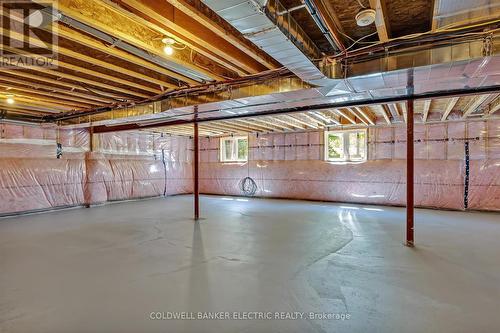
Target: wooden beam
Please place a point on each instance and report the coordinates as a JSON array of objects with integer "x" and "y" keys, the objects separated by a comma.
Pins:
[
  {"x": 383, "y": 110},
  {"x": 405, "y": 112},
  {"x": 449, "y": 107},
  {"x": 381, "y": 19},
  {"x": 294, "y": 118},
  {"x": 288, "y": 123},
  {"x": 393, "y": 109},
  {"x": 355, "y": 112},
  {"x": 52, "y": 82},
  {"x": 273, "y": 121},
  {"x": 221, "y": 127},
  {"x": 475, "y": 103},
  {"x": 49, "y": 90},
  {"x": 425, "y": 112},
  {"x": 25, "y": 109},
  {"x": 246, "y": 124},
  {"x": 89, "y": 82},
  {"x": 81, "y": 57},
  {"x": 253, "y": 123},
  {"x": 115, "y": 52},
  {"x": 364, "y": 112},
  {"x": 493, "y": 107},
  {"x": 101, "y": 13},
  {"x": 55, "y": 101},
  {"x": 312, "y": 119},
  {"x": 313, "y": 116},
  {"x": 346, "y": 116},
  {"x": 86, "y": 41},
  {"x": 191, "y": 33},
  {"x": 88, "y": 72},
  {"x": 327, "y": 118},
  {"x": 173, "y": 130},
  {"x": 15, "y": 88},
  {"x": 435, "y": 13},
  {"x": 36, "y": 102},
  {"x": 236, "y": 127},
  {"x": 268, "y": 123},
  {"x": 209, "y": 131},
  {"x": 219, "y": 30}
]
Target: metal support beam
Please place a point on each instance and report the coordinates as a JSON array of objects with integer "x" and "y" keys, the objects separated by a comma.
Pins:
[
  {"x": 285, "y": 112},
  {"x": 196, "y": 190},
  {"x": 409, "y": 174}
]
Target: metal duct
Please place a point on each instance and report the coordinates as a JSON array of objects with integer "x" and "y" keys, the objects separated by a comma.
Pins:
[
  {"x": 448, "y": 12},
  {"x": 373, "y": 74},
  {"x": 75, "y": 24},
  {"x": 278, "y": 35},
  {"x": 475, "y": 75}
]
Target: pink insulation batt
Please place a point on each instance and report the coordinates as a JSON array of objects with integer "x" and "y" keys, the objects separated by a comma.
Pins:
[
  {"x": 121, "y": 166},
  {"x": 291, "y": 165},
  {"x": 132, "y": 165}
]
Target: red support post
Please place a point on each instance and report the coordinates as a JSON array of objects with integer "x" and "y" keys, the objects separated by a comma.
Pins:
[
  {"x": 410, "y": 174},
  {"x": 196, "y": 191}
]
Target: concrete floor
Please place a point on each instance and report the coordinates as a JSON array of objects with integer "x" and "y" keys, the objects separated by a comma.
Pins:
[{"x": 107, "y": 268}]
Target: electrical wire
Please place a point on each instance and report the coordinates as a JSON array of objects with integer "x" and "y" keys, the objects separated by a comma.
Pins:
[
  {"x": 84, "y": 86},
  {"x": 184, "y": 46},
  {"x": 404, "y": 39},
  {"x": 248, "y": 186},
  {"x": 357, "y": 41},
  {"x": 363, "y": 6}
]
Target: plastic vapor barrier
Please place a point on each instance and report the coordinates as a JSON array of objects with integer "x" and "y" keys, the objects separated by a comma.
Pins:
[
  {"x": 292, "y": 165},
  {"x": 457, "y": 166},
  {"x": 44, "y": 168}
]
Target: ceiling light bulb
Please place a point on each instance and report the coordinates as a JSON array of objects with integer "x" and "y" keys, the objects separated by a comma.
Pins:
[
  {"x": 168, "y": 50},
  {"x": 10, "y": 100}
]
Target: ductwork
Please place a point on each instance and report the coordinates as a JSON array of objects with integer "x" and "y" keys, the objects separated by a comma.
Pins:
[
  {"x": 459, "y": 65},
  {"x": 463, "y": 60},
  {"x": 452, "y": 11},
  {"x": 278, "y": 35},
  {"x": 479, "y": 75},
  {"x": 75, "y": 24}
]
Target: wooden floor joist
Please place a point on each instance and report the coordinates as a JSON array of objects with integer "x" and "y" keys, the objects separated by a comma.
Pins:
[
  {"x": 99, "y": 14},
  {"x": 204, "y": 45},
  {"x": 209, "y": 24},
  {"x": 53, "y": 85},
  {"x": 23, "y": 90},
  {"x": 117, "y": 53}
]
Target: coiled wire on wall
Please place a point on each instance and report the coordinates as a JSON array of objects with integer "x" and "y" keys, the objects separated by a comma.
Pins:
[{"x": 248, "y": 186}]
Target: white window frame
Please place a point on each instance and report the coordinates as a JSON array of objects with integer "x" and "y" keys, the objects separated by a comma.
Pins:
[
  {"x": 345, "y": 145},
  {"x": 222, "y": 149}
]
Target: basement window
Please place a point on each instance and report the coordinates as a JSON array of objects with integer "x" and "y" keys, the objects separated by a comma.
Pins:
[
  {"x": 346, "y": 146},
  {"x": 234, "y": 149}
]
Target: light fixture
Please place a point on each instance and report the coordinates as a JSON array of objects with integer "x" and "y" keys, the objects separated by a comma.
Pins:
[
  {"x": 168, "y": 50},
  {"x": 365, "y": 17},
  {"x": 169, "y": 42},
  {"x": 169, "y": 45},
  {"x": 10, "y": 99}
]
